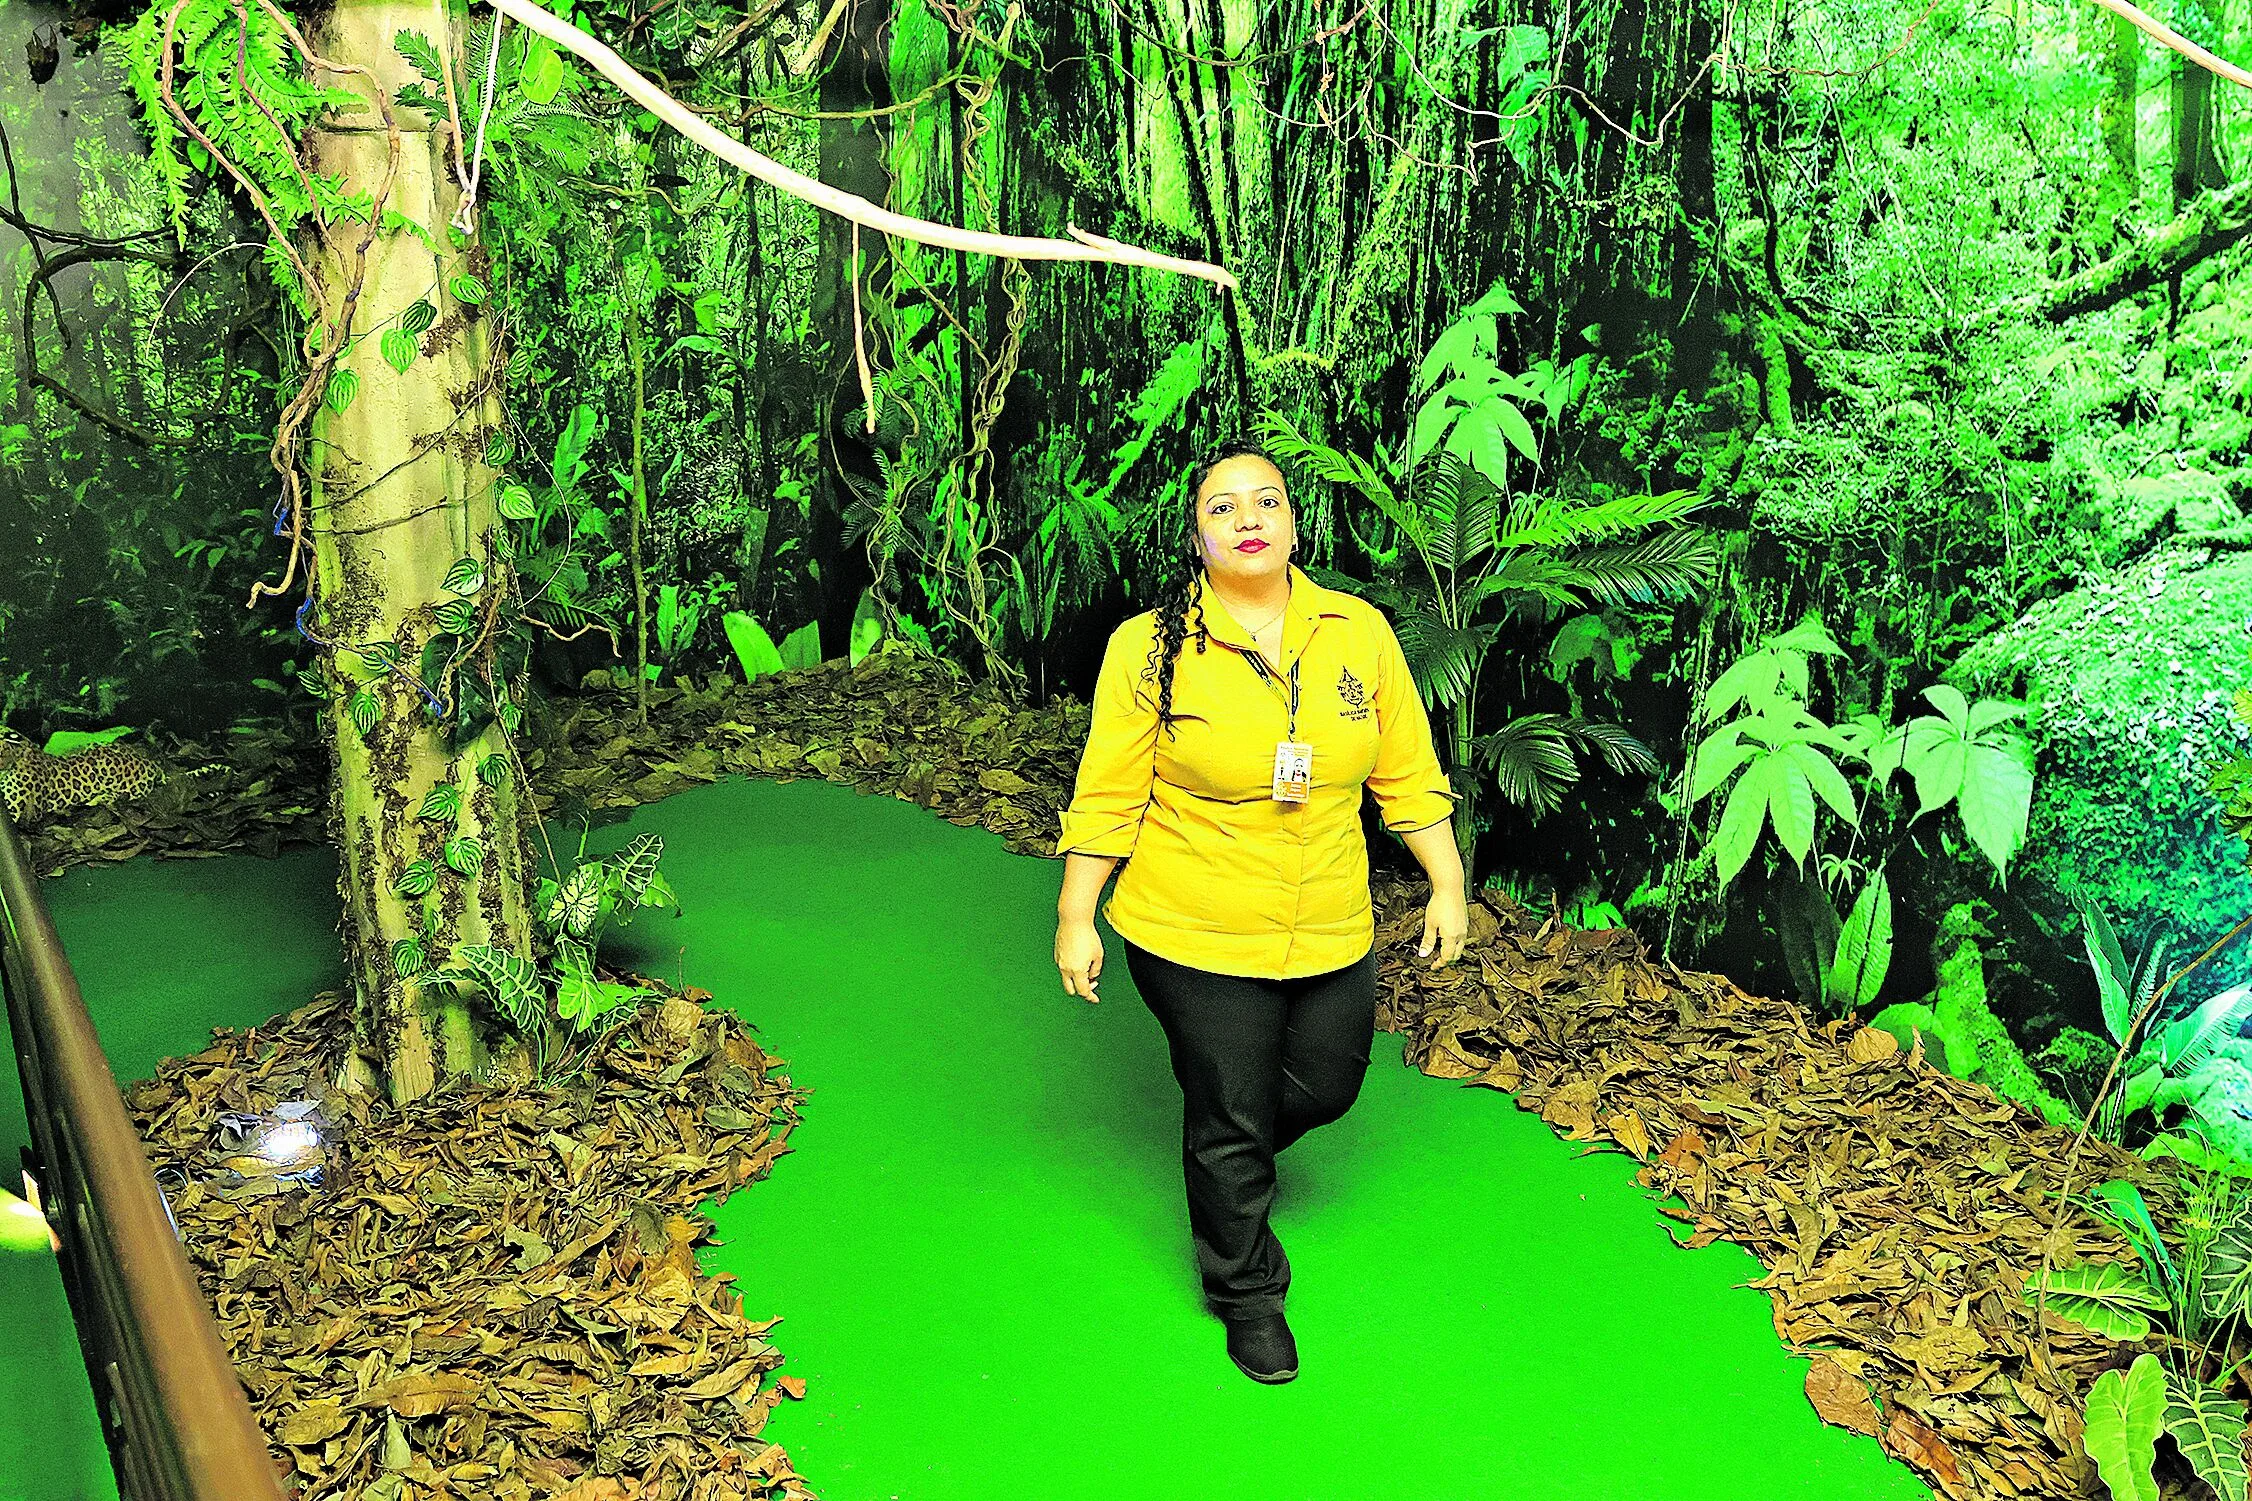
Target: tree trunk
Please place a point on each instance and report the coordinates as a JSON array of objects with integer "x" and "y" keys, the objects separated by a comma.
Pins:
[
  {"x": 426, "y": 814},
  {"x": 2122, "y": 86},
  {"x": 2197, "y": 156}
]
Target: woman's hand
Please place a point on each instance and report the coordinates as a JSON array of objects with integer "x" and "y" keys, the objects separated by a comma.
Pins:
[
  {"x": 1446, "y": 922},
  {"x": 1079, "y": 957}
]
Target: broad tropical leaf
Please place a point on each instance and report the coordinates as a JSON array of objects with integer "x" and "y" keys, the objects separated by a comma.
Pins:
[
  {"x": 1864, "y": 952},
  {"x": 2208, "y": 1427},
  {"x": 580, "y": 998},
  {"x": 440, "y": 803},
  {"x": 636, "y": 865},
  {"x": 2103, "y": 1298},
  {"x": 509, "y": 981},
  {"x": 417, "y": 879},
  {"x": 2125, "y": 1412},
  {"x": 577, "y": 903},
  {"x": 467, "y": 576}
]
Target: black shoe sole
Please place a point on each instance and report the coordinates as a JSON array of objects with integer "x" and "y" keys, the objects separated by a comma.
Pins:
[{"x": 1272, "y": 1379}]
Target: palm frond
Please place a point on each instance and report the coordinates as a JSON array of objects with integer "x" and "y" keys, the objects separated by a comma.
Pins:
[
  {"x": 1671, "y": 565},
  {"x": 1443, "y": 659},
  {"x": 1327, "y": 463},
  {"x": 1531, "y": 760},
  {"x": 1534, "y": 757},
  {"x": 1559, "y": 521},
  {"x": 1459, "y": 510},
  {"x": 2197, "y": 1037},
  {"x": 1544, "y": 576}
]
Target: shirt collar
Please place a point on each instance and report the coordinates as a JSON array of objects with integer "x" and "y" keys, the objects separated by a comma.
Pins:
[{"x": 1308, "y": 603}]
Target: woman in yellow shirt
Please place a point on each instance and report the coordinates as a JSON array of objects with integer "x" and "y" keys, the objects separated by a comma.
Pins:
[{"x": 1234, "y": 728}]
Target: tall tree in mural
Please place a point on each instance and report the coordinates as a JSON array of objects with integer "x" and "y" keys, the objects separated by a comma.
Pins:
[
  {"x": 360, "y": 147},
  {"x": 348, "y": 144},
  {"x": 408, "y": 584}
]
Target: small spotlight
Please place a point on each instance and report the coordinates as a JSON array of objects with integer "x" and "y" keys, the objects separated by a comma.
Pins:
[
  {"x": 287, "y": 1145},
  {"x": 284, "y": 1145}
]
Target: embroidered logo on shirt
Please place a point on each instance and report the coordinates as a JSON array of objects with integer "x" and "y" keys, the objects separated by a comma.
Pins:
[{"x": 1355, "y": 696}]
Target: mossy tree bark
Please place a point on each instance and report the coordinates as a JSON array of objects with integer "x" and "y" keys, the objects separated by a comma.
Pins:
[{"x": 426, "y": 806}]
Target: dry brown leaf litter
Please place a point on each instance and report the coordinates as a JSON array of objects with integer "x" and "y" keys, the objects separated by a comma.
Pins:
[
  {"x": 1895, "y": 1209},
  {"x": 494, "y": 1292}
]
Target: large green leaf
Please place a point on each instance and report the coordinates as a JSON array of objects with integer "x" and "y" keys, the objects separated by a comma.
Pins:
[
  {"x": 2125, "y": 1413},
  {"x": 509, "y": 981},
  {"x": 1864, "y": 953},
  {"x": 580, "y": 998},
  {"x": 1824, "y": 777},
  {"x": 1790, "y": 803},
  {"x": 440, "y": 803},
  {"x": 1719, "y": 756},
  {"x": 2208, "y": 1427},
  {"x": 636, "y": 865},
  {"x": 577, "y": 903},
  {"x": 2109, "y": 961},
  {"x": 1742, "y": 816},
  {"x": 754, "y": 648},
  {"x": 867, "y": 627},
  {"x": 1996, "y": 797},
  {"x": 802, "y": 647},
  {"x": 2123, "y": 1203},
  {"x": 2227, "y": 1284},
  {"x": 2103, "y": 1298}
]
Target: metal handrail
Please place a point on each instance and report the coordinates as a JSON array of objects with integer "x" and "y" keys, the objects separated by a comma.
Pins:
[{"x": 175, "y": 1418}]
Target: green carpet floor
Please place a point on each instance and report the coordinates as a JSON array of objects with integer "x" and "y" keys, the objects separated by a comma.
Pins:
[
  {"x": 978, "y": 1244},
  {"x": 164, "y": 951}
]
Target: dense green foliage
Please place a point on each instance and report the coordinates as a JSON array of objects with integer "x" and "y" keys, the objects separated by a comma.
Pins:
[{"x": 1805, "y": 449}]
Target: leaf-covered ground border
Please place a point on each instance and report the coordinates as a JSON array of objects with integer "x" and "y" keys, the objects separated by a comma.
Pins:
[{"x": 1895, "y": 1209}]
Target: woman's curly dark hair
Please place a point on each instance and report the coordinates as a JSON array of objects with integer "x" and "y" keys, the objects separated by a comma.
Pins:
[{"x": 1180, "y": 598}]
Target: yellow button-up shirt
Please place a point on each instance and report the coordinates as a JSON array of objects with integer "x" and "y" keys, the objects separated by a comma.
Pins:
[{"x": 1219, "y": 874}]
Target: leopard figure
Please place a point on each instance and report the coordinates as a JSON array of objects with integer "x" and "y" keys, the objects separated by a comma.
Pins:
[{"x": 34, "y": 785}]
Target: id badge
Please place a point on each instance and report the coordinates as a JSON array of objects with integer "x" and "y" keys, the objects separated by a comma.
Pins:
[{"x": 1294, "y": 771}]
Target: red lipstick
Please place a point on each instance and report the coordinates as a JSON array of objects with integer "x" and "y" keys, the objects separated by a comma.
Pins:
[{"x": 1251, "y": 544}]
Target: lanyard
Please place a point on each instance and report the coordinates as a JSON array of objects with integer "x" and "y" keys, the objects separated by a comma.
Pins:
[{"x": 1266, "y": 675}]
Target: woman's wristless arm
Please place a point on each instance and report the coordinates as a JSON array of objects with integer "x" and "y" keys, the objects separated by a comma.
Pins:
[
  {"x": 1441, "y": 858},
  {"x": 1084, "y": 877}
]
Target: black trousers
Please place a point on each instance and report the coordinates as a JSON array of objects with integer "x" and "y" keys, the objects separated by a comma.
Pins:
[{"x": 1260, "y": 1063}]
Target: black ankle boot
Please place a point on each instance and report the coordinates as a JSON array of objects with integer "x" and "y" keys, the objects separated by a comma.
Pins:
[{"x": 1262, "y": 1348}]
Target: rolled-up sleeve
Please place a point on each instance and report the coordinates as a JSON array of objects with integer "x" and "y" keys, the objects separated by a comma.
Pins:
[
  {"x": 1410, "y": 788},
  {"x": 1117, "y": 767}
]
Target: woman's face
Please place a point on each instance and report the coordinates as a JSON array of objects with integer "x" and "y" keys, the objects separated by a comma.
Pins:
[{"x": 1244, "y": 526}]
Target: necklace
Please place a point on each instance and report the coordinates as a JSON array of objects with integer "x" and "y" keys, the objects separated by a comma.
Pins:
[{"x": 1270, "y": 620}]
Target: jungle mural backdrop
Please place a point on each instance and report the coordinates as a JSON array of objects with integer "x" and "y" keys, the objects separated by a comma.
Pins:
[{"x": 1804, "y": 447}]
